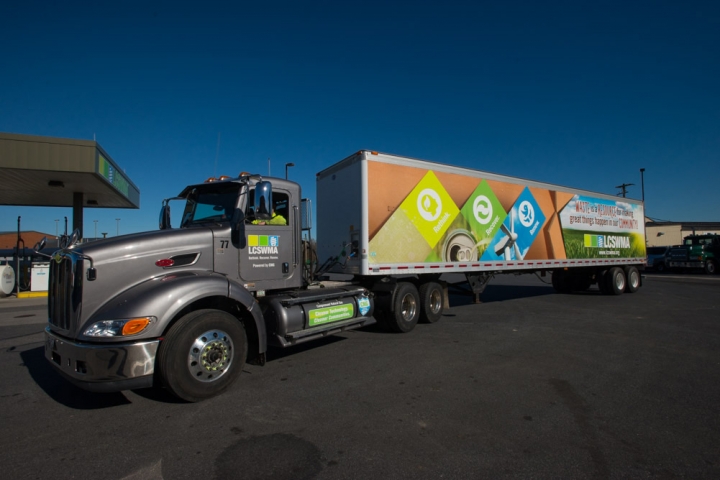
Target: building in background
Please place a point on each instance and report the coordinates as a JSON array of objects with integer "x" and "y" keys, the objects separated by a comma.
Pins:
[
  {"x": 660, "y": 234},
  {"x": 8, "y": 240}
]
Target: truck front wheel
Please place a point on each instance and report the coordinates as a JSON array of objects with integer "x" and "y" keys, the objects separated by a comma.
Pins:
[
  {"x": 202, "y": 354},
  {"x": 710, "y": 267}
]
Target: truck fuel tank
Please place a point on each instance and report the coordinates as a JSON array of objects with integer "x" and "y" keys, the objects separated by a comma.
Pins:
[{"x": 299, "y": 316}]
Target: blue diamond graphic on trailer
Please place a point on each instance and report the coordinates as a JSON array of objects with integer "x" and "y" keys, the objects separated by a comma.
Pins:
[{"x": 518, "y": 231}]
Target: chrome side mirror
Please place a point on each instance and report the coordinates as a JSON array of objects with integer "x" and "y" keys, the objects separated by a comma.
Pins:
[
  {"x": 40, "y": 245},
  {"x": 164, "y": 221},
  {"x": 262, "y": 201},
  {"x": 69, "y": 241}
]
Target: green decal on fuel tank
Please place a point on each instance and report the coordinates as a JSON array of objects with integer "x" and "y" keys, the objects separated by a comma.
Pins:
[{"x": 335, "y": 313}]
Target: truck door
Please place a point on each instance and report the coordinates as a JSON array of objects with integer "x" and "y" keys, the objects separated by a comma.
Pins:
[{"x": 270, "y": 244}]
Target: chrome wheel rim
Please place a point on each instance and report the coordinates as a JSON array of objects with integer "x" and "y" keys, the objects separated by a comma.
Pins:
[
  {"x": 409, "y": 307},
  {"x": 435, "y": 301},
  {"x": 210, "y": 356},
  {"x": 620, "y": 281}
]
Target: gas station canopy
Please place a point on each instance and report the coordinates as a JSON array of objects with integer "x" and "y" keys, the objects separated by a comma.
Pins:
[{"x": 61, "y": 172}]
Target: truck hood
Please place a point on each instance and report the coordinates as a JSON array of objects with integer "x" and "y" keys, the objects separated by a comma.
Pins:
[
  {"x": 124, "y": 262},
  {"x": 147, "y": 245}
]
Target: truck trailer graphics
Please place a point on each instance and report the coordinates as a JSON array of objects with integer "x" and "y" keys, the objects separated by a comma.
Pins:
[
  {"x": 496, "y": 221},
  {"x": 518, "y": 231},
  {"x": 597, "y": 228}
]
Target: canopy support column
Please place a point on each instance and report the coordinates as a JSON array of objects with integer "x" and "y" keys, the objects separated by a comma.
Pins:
[{"x": 78, "y": 212}]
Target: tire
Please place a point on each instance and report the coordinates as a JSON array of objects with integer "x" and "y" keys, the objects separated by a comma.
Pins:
[
  {"x": 660, "y": 267},
  {"x": 431, "y": 302},
  {"x": 202, "y": 354},
  {"x": 711, "y": 267},
  {"x": 405, "y": 311},
  {"x": 616, "y": 281},
  {"x": 632, "y": 274}
]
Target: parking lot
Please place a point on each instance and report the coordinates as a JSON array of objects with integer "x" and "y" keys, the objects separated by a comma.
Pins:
[{"x": 527, "y": 384}]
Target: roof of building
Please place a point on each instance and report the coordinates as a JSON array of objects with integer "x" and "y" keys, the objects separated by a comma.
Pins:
[
  {"x": 29, "y": 237},
  {"x": 685, "y": 225},
  {"x": 53, "y": 172}
]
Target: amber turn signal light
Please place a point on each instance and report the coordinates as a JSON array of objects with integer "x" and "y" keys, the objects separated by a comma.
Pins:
[{"x": 134, "y": 326}]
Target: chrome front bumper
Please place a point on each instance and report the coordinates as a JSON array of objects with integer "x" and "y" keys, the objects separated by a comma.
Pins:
[{"x": 103, "y": 368}]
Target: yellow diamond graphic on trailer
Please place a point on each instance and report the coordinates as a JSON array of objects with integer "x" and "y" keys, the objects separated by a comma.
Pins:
[{"x": 430, "y": 208}]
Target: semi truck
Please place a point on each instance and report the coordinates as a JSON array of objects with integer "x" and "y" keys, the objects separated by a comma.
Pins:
[
  {"x": 700, "y": 251},
  {"x": 186, "y": 307}
]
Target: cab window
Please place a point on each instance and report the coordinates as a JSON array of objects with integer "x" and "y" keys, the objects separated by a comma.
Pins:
[
  {"x": 210, "y": 203},
  {"x": 280, "y": 210}
]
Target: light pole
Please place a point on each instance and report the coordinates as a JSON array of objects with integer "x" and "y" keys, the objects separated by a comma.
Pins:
[
  {"x": 95, "y": 229},
  {"x": 287, "y": 165},
  {"x": 118, "y": 226},
  {"x": 642, "y": 183},
  {"x": 57, "y": 238}
]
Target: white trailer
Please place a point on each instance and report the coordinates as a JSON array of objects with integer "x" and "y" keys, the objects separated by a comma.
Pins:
[{"x": 386, "y": 216}]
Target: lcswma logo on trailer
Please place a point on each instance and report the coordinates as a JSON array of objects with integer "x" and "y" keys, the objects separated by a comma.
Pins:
[{"x": 606, "y": 241}]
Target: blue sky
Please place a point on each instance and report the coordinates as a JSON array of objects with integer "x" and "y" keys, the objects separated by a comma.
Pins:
[{"x": 581, "y": 94}]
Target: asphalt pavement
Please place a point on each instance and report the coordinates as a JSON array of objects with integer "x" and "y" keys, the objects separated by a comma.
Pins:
[{"x": 528, "y": 384}]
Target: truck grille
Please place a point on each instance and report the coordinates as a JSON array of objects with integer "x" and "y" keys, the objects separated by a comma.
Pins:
[
  {"x": 679, "y": 254},
  {"x": 65, "y": 290}
]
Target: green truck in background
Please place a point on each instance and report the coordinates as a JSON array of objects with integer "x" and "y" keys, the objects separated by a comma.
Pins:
[{"x": 697, "y": 251}]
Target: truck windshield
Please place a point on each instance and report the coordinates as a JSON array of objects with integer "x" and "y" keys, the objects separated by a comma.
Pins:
[{"x": 211, "y": 203}]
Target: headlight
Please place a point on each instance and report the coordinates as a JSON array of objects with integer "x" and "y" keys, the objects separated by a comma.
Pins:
[{"x": 119, "y": 328}]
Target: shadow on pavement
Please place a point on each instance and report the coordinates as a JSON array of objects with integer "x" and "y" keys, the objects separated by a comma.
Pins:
[
  {"x": 158, "y": 395},
  {"x": 63, "y": 391},
  {"x": 499, "y": 293},
  {"x": 276, "y": 353}
]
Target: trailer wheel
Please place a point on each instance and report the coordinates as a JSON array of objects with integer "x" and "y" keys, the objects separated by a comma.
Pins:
[
  {"x": 431, "y": 302},
  {"x": 710, "y": 267},
  {"x": 616, "y": 281},
  {"x": 406, "y": 308},
  {"x": 632, "y": 274},
  {"x": 202, "y": 354}
]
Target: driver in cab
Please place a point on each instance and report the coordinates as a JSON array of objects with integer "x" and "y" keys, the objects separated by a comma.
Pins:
[{"x": 276, "y": 219}]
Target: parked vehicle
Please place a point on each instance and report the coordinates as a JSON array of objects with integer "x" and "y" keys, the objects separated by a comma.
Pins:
[
  {"x": 697, "y": 251},
  {"x": 656, "y": 258},
  {"x": 187, "y": 307}
]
